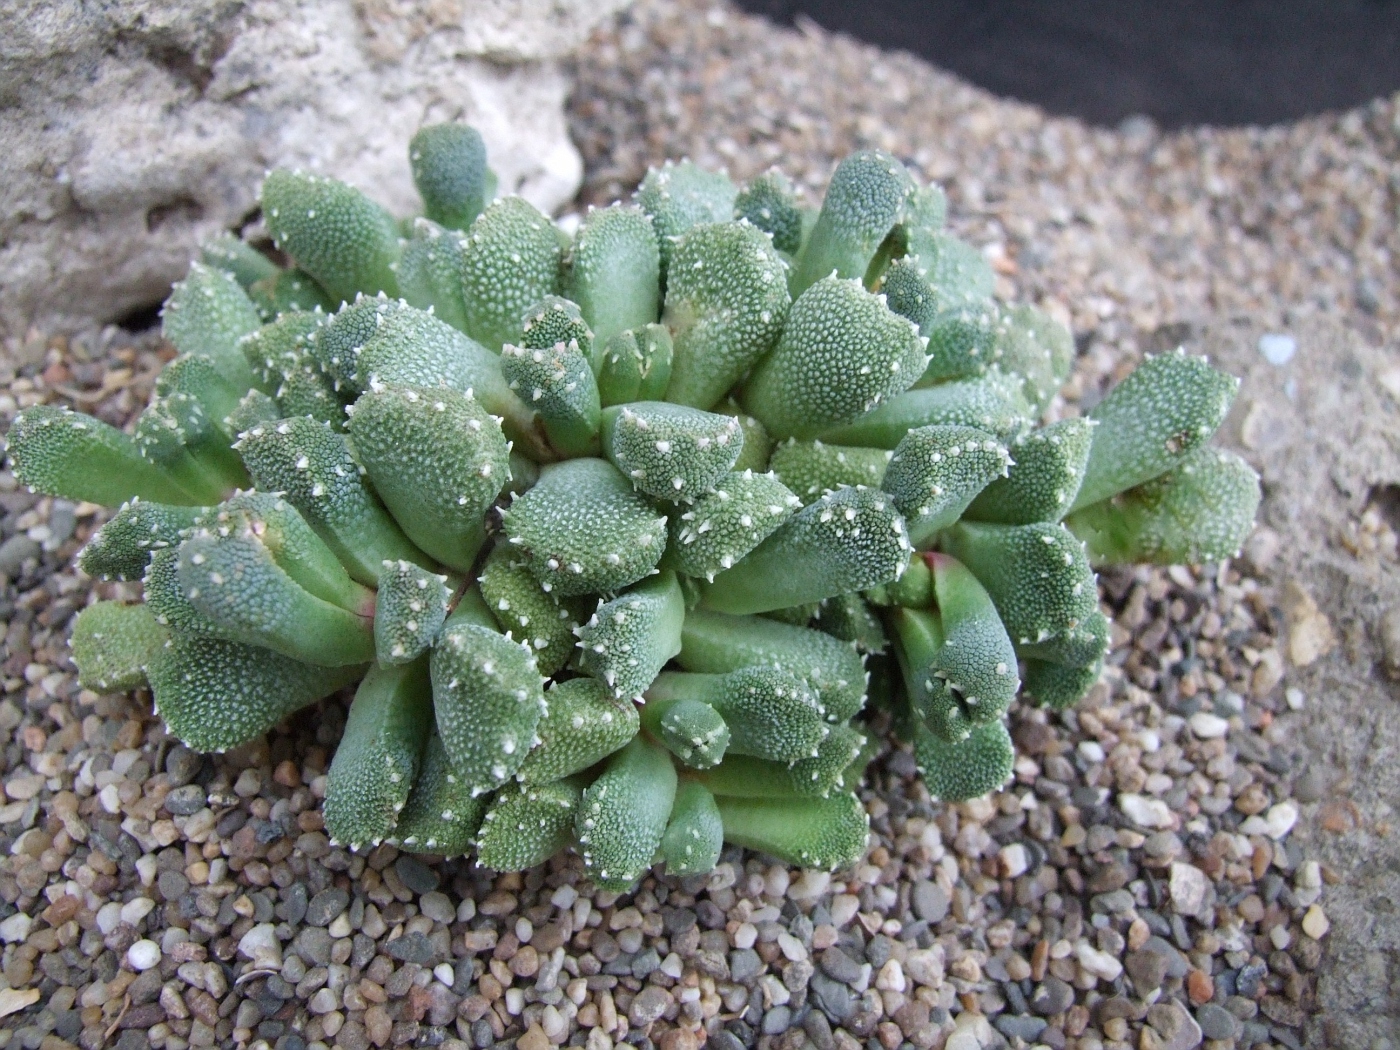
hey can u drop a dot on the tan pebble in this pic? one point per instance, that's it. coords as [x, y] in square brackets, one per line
[1315, 923]
[1199, 987]
[1138, 932]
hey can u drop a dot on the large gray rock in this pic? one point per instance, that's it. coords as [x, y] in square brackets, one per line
[135, 128]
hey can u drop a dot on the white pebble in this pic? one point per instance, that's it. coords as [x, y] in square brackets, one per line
[1295, 697]
[133, 911]
[809, 885]
[16, 928]
[143, 955]
[1276, 823]
[1207, 726]
[445, 974]
[1014, 860]
[843, 909]
[1102, 965]
[1280, 937]
[745, 935]
[109, 917]
[1091, 751]
[1146, 812]
[1278, 348]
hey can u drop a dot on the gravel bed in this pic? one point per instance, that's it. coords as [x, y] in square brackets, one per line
[1135, 886]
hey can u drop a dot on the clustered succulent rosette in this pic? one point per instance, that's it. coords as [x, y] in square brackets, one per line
[612, 527]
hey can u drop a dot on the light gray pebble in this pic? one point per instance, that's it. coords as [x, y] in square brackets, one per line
[929, 901]
[325, 906]
[184, 801]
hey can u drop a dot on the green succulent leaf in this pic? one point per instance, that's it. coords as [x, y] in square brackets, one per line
[634, 365]
[1149, 423]
[409, 611]
[629, 639]
[582, 726]
[289, 291]
[770, 713]
[1037, 575]
[582, 529]
[623, 815]
[510, 262]
[695, 833]
[526, 824]
[311, 465]
[690, 729]
[770, 203]
[237, 258]
[557, 382]
[826, 833]
[613, 270]
[207, 314]
[868, 195]
[679, 196]
[1047, 467]
[936, 471]
[438, 459]
[956, 771]
[430, 272]
[488, 700]
[726, 301]
[449, 169]
[841, 353]
[441, 815]
[529, 612]
[121, 549]
[215, 694]
[1058, 686]
[957, 272]
[716, 643]
[1201, 510]
[848, 540]
[813, 468]
[671, 452]
[113, 644]
[375, 765]
[65, 453]
[724, 525]
[992, 402]
[344, 240]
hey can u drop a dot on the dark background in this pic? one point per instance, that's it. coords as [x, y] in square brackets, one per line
[1177, 61]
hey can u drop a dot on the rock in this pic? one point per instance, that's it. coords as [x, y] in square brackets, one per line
[15, 551]
[839, 966]
[1146, 812]
[13, 1000]
[416, 875]
[1147, 969]
[15, 929]
[1315, 923]
[412, 947]
[1101, 964]
[1189, 889]
[929, 901]
[831, 997]
[260, 945]
[1052, 996]
[1217, 1022]
[1177, 1028]
[184, 801]
[971, 1032]
[650, 1003]
[1276, 823]
[1310, 635]
[1207, 726]
[139, 127]
[325, 906]
[143, 955]
[1020, 1026]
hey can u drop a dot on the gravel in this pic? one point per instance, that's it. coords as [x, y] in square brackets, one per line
[1138, 884]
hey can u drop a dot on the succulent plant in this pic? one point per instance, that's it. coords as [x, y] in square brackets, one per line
[612, 529]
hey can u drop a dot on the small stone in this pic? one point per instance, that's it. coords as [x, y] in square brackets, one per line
[1014, 860]
[1147, 969]
[1276, 823]
[1146, 812]
[1217, 1022]
[1200, 988]
[325, 906]
[15, 551]
[143, 955]
[1178, 1029]
[1188, 886]
[416, 875]
[1315, 923]
[839, 966]
[413, 948]
[1101, 964]
[650, 1003]
[1021, 1026]
[184, 801]
[1207, 726]
[534, 1039]
[744, 964]
[1277, 348]
[929, 901]
[13, 1000]
[1052, 996]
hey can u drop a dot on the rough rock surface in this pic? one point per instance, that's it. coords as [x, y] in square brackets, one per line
[135, 128]
[1323, 429]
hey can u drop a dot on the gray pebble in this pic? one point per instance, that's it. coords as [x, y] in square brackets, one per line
[645, 963]
[313, 944]
[184, 801]
[930, 902]
[1248, 979]
[1217, 1022]
[839, 966]
[172, 885]
[14, 552]
[724, 1040]
[744, 964]
[293, 906]
[650, 1003]
[1024, 1027]
[777, 1020]
[412, 947]
[1052, 996]
[831, 997]
[416, 875]
[325, 906]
